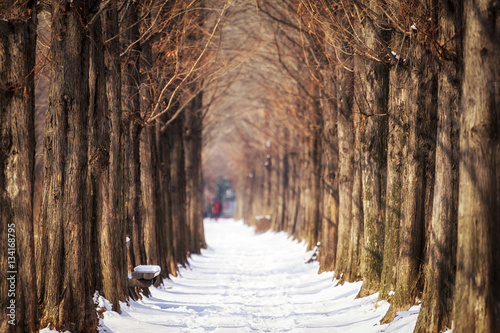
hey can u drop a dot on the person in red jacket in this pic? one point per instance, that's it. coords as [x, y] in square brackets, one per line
[216, 210]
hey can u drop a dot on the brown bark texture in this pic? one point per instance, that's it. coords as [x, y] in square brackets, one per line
[112, 231]
[372, 98]
[418, 171]
[437, 298]
[65, 298]
[329, 180]
[194, 177]
[17, 155]
[476, 306]
[132, 125]
[346, 151]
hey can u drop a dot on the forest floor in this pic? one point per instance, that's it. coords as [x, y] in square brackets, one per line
[248, 282]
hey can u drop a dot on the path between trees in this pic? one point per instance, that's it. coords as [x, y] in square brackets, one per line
[247, 282]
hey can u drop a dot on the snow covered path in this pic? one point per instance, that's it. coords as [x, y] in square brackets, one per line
[253, 283]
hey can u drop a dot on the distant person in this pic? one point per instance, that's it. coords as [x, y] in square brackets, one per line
[216, 210]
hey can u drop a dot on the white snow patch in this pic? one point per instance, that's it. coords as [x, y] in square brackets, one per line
[147, 269]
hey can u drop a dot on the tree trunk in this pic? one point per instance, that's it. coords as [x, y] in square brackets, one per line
[346, 151]
[112, 233]
[132, 129]
[282, 181]
[194, 178]
[437, 299]
[66, 298]
[178, 190]
[98, 198]
[329, 178]
[168, 261]
[148, 154]
[398, 102]
[418, 171]
[17, 156]
[373, 90]
[476, 305]
[356, 242]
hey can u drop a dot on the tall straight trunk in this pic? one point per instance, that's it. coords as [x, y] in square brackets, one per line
[194, 178]
[17, 157]
[356, 242]
[281, 184]
[148, 154]
[437, 299]
[398, 103]
[167, 251]
[476, 306]
[310, 199]
[112, 232]
[346, 151]
[305, 203]
[98, 199]
[329, 177]
[178, 190]
[131, 134]
[312, 225]
[293, 193]
[65, 297]
[373, 90]
[418, 172]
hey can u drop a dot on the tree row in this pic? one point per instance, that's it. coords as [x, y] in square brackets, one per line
[386, 151]
[120, 176]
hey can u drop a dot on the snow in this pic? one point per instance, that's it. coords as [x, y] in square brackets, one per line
[247, 282]
[147, 269]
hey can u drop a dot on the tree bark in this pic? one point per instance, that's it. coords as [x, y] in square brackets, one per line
[131, 134]
[476, 305]
[66, 300]
[168, 258]
[356, 248]
[194, 178]
[148, 154]
[418, 170]
[373, 91]
[398, 102]
[178, 190]
[98, 195]
[346, 151]
[17, 157]
[329, 179]
[437, 299]
[113, 251]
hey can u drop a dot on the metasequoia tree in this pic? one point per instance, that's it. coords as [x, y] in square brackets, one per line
[477, 289]
[132, 126]
[418, 164]
[371, 78]
[113, 227]
[65, 298]
[17, 157]
[437, 299]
